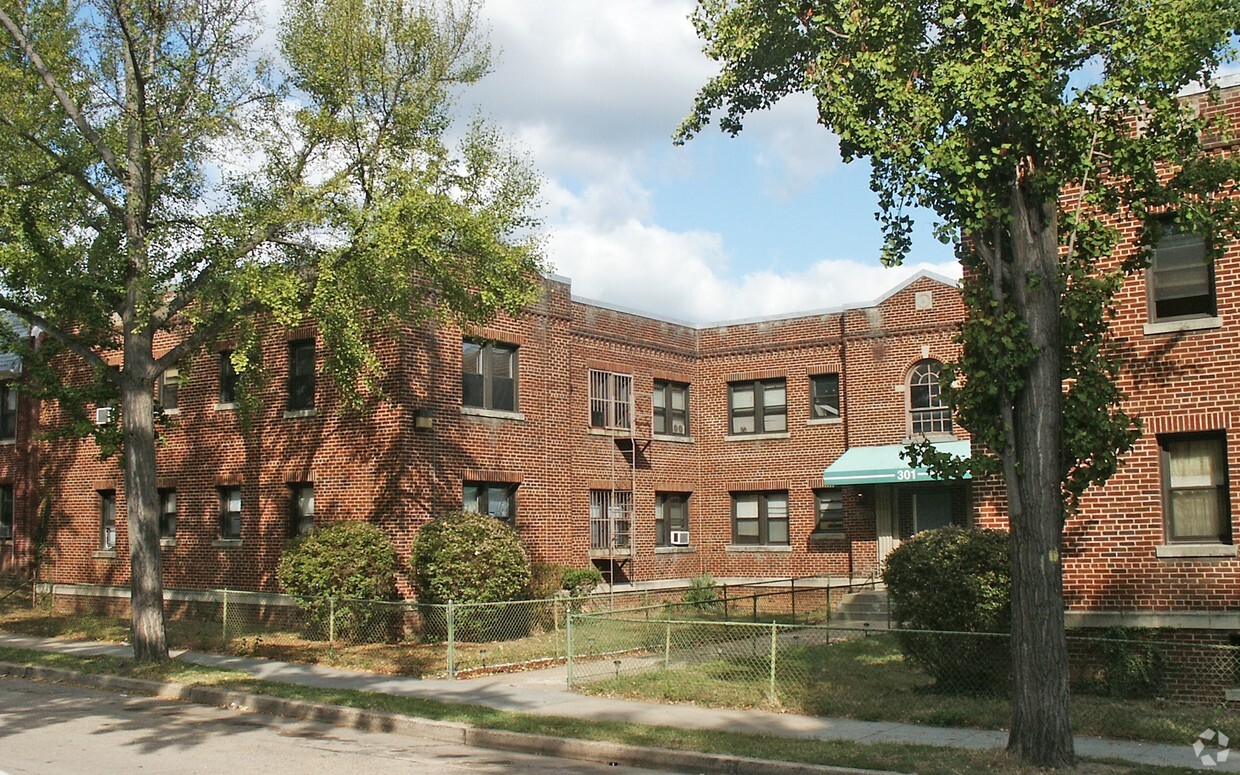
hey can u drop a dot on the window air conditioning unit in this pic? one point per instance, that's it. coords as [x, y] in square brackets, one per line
[680, 537]
[678, 428]
[103, 415]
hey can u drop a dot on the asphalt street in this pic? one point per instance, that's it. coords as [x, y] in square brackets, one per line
[50, 728]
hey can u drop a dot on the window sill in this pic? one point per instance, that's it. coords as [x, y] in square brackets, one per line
[494, 414]
[757, 436]
[225, 406]
[825, 421]
[297, 414]
[167, 543]
[757, 548]
[104, 554]
[227, 543]
[1174, 551]
[673, 439]
[622, 433]
[834, 535]
[1188, 324]
[171, 412]
[8, 442]
[675, 550]
[1232, 695]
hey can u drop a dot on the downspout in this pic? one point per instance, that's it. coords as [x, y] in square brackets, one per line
[844, 409]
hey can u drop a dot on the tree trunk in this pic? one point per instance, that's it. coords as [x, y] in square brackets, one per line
[1033, 473]
[142, 502]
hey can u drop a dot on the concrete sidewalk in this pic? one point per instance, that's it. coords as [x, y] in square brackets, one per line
[544, 692]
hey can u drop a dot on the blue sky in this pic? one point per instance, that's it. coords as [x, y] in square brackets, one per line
[724, 228]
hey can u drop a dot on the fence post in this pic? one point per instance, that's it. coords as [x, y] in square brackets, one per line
[755, 607]
[331, 622]
[568, 644]
[793, 584]
[667, 644]
[224, 620]
[774, 640]
[451, 640]
[725, 602]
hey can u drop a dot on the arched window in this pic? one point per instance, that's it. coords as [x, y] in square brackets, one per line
[928, 413]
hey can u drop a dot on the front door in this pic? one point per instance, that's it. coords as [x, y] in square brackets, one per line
[888, 526]
[932, 509]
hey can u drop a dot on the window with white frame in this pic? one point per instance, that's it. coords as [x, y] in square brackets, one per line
[928, 410]
[670, 401]
[1180, 278]
[496, 499]
[671, 519]
[301, 508]
[760, 518]
[758, 406]
[489, 375]
[1195, 502]
[169, 386]
[167, 513]
[230, 512]
[107, 520]
[611, 400]
[8, 411]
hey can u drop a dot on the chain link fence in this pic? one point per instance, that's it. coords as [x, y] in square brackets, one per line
[1149, 685]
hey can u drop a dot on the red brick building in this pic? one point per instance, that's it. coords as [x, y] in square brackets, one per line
[654, 449]
[659, 450]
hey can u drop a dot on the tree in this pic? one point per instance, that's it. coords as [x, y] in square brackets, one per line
[159, 172]
[1027, 127]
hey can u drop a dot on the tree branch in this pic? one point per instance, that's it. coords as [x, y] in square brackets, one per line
[76, 174]
[32, 318]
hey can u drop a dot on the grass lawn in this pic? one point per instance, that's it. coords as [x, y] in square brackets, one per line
[929, 760]
[868, 679]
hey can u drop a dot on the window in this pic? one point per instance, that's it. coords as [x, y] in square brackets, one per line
[230, 512]
[301, 374]
[1195, 501]
[301, 509]
[6, 512]
[8, 411]
[758, 407]
[611, 400]
[169, 382]
[824, 396]
[228, 378]
[671, 408]
[928, 413]
[168, 513]
[611, 513]
[829, 511]
[1180, 279]
[489, 376]
[107, 520]
[671, 515]
[499, 500]
[760, 518]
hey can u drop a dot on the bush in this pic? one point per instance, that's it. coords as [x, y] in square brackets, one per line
[703, 593]
[468, 558]
[954, 580]
[353, 562]
[1132, 668]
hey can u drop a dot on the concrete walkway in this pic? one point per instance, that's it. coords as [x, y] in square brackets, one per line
[544, 692]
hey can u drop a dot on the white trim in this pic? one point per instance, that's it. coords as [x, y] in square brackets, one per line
[758, 436]
[825, 421]
[760, 548]
[1190, 551]
[227, 543]
[1179, 326]
[672, 438]
[1172, 620]
[296, 414]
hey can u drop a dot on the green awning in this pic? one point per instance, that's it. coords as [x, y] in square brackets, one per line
[883, 465]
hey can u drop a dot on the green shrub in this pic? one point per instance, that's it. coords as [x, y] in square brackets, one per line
[702, 591]
[954, 580]
[1132, 668]
[354, 563]
[469, 558]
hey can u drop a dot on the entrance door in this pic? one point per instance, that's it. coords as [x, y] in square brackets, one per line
[887, 524]
[932, 509]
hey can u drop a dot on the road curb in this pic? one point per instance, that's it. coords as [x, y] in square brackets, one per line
[445, 731]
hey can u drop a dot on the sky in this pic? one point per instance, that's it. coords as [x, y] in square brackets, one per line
[770, 222]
